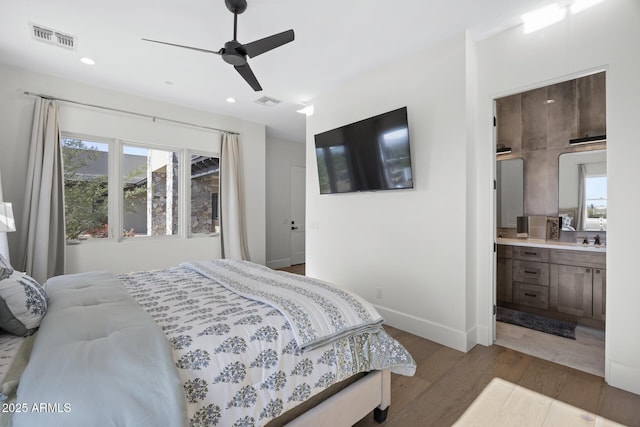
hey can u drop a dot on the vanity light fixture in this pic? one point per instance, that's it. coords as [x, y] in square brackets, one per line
[503, 150]
[588, 140]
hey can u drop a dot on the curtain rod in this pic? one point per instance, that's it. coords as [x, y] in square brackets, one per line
[154, 118]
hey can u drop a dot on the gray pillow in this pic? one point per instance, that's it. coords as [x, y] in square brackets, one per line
[23, 304]
[5, 268]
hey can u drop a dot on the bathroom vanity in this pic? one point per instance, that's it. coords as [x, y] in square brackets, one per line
[561, 280]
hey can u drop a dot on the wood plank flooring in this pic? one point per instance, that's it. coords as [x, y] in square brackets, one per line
[448, 381]
[585, 353]
[296, 269]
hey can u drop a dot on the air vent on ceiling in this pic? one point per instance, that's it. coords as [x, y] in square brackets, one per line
[54, 37]
[267, 101]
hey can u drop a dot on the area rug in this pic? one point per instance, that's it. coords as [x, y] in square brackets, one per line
[539, 323]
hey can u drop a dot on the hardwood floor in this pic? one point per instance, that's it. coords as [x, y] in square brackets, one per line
[297, 269]
[585, 353]
[448, 381]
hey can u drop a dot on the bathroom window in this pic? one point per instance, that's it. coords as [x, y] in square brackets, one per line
[596, 202]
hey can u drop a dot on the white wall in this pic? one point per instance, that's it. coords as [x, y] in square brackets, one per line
[409, 243]
[16, 111]
[604, 37]
[281, 155]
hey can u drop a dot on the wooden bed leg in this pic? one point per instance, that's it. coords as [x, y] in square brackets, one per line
[380, 415]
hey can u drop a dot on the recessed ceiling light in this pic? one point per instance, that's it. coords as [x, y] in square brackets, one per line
[231, 100]
[87, 61]
[549, 101]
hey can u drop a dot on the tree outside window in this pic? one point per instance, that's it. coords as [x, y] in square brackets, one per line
[86, 189]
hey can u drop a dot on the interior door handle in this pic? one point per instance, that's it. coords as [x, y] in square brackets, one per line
[294, 228]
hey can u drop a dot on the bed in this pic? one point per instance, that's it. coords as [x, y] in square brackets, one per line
[212, 343]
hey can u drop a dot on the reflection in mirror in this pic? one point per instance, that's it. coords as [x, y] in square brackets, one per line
[510, 192]
[582, 190]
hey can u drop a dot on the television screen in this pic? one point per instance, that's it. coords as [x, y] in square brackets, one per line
[369, 155]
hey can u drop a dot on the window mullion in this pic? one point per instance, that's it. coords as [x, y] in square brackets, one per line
[115, 181]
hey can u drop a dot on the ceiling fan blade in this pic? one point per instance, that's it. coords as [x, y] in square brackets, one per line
[266, 44]
[217, 52]
[247, 74]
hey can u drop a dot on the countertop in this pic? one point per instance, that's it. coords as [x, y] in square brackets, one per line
[538, 243]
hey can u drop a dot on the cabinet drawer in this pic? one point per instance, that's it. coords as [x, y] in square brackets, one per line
[584, 259]
[535, 273]
[531, 295]
[527, 253]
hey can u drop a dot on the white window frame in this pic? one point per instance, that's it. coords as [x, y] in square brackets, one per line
[115, 209]
[187, 183]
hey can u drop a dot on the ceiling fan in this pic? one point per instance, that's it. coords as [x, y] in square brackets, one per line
[235, 53]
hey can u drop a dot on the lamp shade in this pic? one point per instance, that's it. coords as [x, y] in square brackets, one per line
[7, 222]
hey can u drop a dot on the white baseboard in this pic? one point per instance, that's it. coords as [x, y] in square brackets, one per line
[483, 336]
[279, 263]
[445, 335]
[624, 377]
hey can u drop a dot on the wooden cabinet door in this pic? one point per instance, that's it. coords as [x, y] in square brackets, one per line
[570, 290]
[504, 286]
[599, 293]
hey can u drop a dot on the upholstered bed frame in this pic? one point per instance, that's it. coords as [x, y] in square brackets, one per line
[350, 404]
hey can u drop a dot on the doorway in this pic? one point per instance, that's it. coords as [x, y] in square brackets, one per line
[298, 175]
[553, 276]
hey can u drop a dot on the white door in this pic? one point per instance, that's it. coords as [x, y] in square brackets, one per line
[297, 214]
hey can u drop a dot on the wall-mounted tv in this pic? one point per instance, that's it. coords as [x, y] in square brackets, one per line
[369, 155]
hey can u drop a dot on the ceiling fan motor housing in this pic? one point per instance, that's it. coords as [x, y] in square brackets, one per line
[234, 54]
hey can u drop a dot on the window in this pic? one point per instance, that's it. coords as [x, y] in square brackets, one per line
[86, 188]
[596, 202]
[115, 189]
[205, 173]
[150, 188]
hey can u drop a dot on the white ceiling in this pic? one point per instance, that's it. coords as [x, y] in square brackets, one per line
[335, 41]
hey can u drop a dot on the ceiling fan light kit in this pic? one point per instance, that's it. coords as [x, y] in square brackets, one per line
[235, 53]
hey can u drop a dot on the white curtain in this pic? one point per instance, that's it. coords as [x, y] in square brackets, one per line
[42, 239]
[582, 203]
[231, 195]
[4, 245]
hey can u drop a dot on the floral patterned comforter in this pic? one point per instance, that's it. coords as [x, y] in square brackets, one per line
[238, 359]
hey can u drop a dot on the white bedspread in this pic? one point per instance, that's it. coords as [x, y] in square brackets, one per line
[238, 359]
[317, 312]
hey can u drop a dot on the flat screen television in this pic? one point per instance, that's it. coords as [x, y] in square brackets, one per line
[369, 155]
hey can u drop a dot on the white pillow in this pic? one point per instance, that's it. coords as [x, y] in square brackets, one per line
[23, 304]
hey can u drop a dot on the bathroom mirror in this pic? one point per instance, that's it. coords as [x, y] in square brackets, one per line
[510, 192]
[582, 190]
